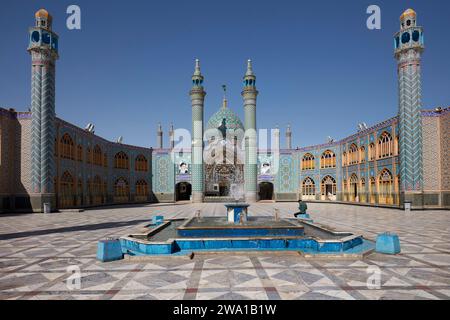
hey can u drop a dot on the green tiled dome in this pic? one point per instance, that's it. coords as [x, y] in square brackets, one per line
[232, 121]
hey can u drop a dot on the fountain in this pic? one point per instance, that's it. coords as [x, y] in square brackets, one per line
[237, 212]
[239, 231]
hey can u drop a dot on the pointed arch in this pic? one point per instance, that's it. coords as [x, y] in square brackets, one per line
[141, 163]
[121, 161]
[362, 154]
[308, 162]
[67, 190]
[353, 154]
[372, 190]
[328, 160]
[121, 190]
[372, 152]
[141, 190]
[328, 188]
[354, 189]
[385, 145]
[67, 147]
[98, 156]
[308, 188]
[385, 187]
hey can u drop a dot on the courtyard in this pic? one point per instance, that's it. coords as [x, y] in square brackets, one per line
[36, 250]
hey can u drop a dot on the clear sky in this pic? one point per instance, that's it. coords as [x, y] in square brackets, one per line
[317, 65]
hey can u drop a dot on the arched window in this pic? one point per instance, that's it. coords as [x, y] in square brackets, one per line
[328, 186]
[67, 147]
[141, 163]
[362, 154]
[98, 155]
[353, 154]
[141, 188]
[308, 187]
[344, 159]
[385, 146]
[328, 160]
[80, 153]
[67, 191]
[372, 151]
[385, 183]
[121, 190]
[308, 162]
[121, 161]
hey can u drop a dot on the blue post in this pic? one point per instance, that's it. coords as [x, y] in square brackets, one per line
[109, 250]
[388, 243]
[157, 220]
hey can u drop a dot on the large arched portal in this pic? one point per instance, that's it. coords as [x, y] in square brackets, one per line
[266, 191]
[183, 191]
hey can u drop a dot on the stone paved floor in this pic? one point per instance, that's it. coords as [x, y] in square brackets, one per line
[35, 251]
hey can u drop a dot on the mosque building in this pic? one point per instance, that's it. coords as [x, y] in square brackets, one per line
[45, 159]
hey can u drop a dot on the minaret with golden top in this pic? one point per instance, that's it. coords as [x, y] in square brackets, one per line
[409, 46]
[43, 47]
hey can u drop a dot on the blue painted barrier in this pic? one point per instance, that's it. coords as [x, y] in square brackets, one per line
[109, 250]
[157, 220]
[388, 243]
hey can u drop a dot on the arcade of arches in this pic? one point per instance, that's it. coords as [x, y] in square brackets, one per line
[71, 192]
[383, 189]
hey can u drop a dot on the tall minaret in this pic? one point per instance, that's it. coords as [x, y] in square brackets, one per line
[276, 139]
[197, 94]
[288, 137]
[43, 48]
[250, 169]
[408, 50]
[159, 136]
[171, 136]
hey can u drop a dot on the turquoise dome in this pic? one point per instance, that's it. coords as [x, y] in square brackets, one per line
[232, 121]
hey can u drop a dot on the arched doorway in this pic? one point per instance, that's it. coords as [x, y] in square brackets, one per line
[385, 187]
[67, 189]
[328, 188]
[308, 189]
[354, 196]
[266, 191]
[183, 191]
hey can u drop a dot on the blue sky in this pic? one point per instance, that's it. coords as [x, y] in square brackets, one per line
[317, 65]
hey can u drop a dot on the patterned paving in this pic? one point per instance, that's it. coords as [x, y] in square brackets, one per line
[35, 251]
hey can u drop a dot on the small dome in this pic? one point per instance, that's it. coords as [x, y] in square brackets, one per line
[408, 13]
[232, 121]
[43, 14]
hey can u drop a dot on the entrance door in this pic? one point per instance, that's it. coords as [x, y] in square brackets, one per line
[355, 192]
[328, 189]
[183, 191]
[265, 191]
